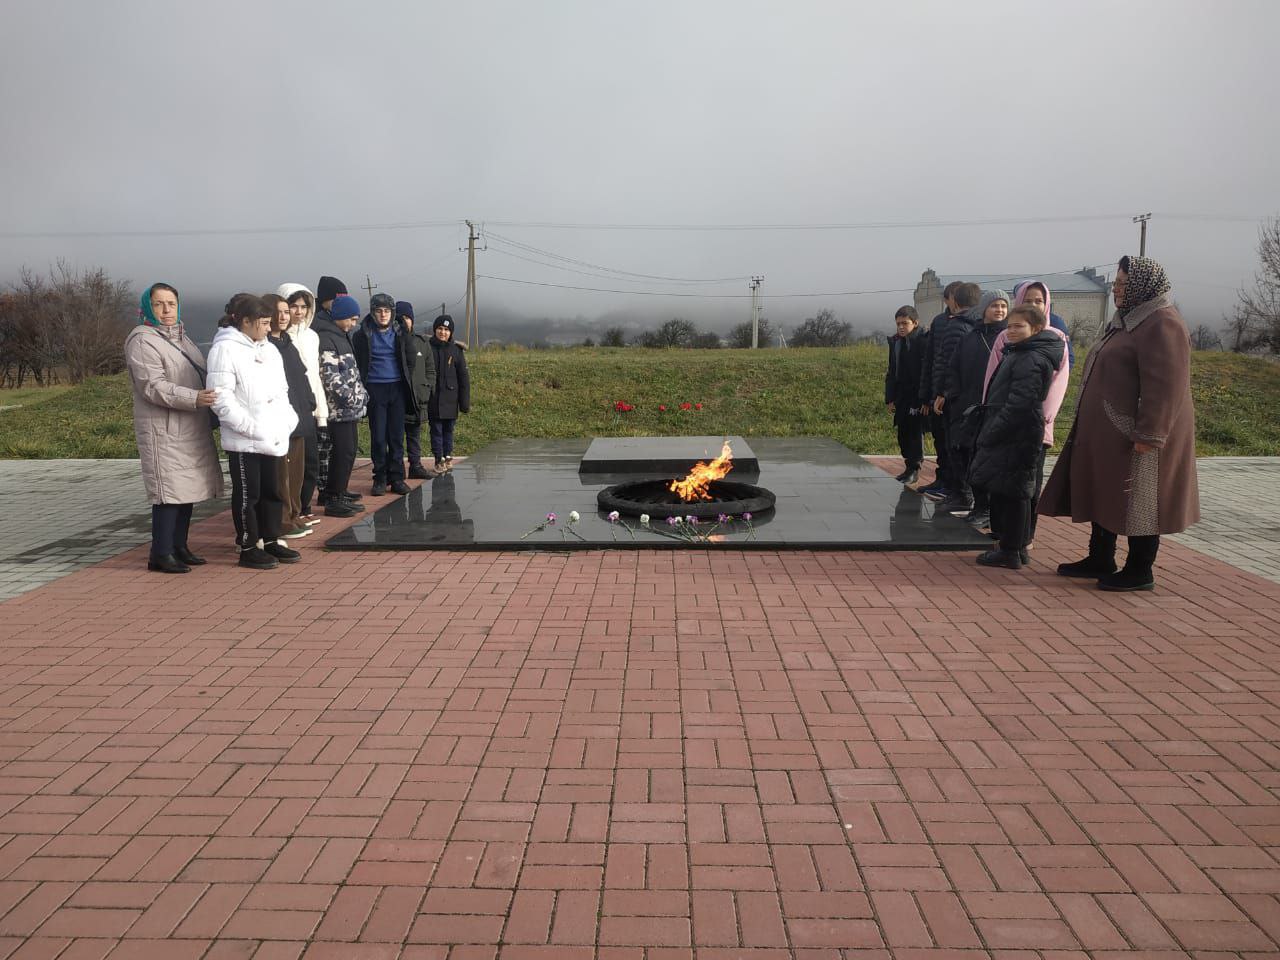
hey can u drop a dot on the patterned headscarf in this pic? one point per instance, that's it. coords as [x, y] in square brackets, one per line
[144, 307]
[1147, 280]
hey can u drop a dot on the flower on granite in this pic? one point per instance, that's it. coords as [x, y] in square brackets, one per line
[747, 517]
[614, 516]
[573, 516]
[551, 518]
[691, 519]
[672, 521]
[644, 519]
[723, 518]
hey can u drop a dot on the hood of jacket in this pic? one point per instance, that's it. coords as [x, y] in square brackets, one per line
[232, 337]
[1021, 290]
[1049, 343]
[287, 290]
[324, 324]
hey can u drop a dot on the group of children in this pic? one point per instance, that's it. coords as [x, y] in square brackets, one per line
[987, 379]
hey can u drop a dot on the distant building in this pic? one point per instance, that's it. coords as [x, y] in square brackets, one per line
[1082, 299]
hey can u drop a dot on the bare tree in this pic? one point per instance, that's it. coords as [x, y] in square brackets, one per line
[676, 332]
[824, 330]
[740, 336]
[1205, 337]
[1255, 324]
[614, 337]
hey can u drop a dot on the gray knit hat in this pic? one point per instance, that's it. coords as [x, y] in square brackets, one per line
[988, 298]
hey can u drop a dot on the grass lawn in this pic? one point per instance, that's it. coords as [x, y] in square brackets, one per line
[571, 393]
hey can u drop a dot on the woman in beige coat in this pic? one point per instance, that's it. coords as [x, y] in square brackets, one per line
[172, 422]
[1129, 464]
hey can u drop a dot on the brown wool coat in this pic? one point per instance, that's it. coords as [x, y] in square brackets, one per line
[175, 439]
[1136, 386]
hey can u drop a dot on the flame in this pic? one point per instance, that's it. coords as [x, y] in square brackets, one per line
[694, 486]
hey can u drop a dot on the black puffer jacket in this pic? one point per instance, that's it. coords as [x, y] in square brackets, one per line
[945, 334]
[902, 381]
[1013, 418]
[926, 361]
[301, 397]
[424, 375]
[965, 377]
[452, 394]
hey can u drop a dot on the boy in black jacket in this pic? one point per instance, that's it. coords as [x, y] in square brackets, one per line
[943, 336]
[902, 390]
[1012, 434]
[452, 393]
[424, 381]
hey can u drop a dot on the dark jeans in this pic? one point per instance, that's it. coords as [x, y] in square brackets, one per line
[442, 438]
[1035, 497]
[413, 442]
[169, 525]
[342, 457]
[386, 430]
[310, 471]
[911, 439]
[938, 427]
[256, 503]
[1011, 519]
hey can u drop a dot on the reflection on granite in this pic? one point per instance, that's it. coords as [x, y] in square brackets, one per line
[828, 498]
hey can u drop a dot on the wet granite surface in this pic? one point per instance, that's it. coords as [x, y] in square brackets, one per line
[827, 498]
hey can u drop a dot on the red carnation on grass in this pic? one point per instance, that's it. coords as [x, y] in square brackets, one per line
[662, 407]
[623, 407]
[697, 406]
[686, 406]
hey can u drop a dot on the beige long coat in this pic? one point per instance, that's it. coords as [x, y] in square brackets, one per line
[1136, 387]
[175, 440]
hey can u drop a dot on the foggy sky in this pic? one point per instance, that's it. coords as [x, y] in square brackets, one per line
[134, 116]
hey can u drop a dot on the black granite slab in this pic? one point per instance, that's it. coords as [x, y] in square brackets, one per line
[667, 456]
[828, 498]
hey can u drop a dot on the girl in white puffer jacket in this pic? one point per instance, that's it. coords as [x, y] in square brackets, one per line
[256, 419]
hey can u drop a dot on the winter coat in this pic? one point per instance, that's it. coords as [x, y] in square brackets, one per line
[308, 344]
[1057, 323]
[1008, 444]
[452, 393]
[424, 375]
[405, 353]
[1136, 387]
[926, 362]
[1057, 389]
[253, 395]
[175, 437]
[946, 333]
[301, 398]
[339, 374]
[965, 379]
[902, 381]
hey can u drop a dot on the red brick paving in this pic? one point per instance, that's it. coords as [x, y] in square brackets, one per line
[639, 756]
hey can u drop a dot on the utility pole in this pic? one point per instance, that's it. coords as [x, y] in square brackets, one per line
[755, 311]
[442, 308]
[370, 286]
[1142, 239]
[473, 313]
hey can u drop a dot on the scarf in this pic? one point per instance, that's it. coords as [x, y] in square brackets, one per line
[1147, 280]
[146, 316]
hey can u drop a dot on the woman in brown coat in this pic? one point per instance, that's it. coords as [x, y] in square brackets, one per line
[1129, 464]
[173, 426]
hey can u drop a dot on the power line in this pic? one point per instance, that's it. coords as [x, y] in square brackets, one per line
[621, 274]
[230, 231]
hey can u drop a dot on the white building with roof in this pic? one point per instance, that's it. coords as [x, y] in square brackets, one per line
[1082, 299]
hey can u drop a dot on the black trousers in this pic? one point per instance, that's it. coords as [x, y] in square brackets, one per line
[256, 501]
[442, 438]
[324, 451]
[310, 471]
[413, 442]
[910, 439]
[938, 427]
[1035, 497]
[169, 525]
[1011, 520]
[342, 457]
[961, 460]
[386, 430]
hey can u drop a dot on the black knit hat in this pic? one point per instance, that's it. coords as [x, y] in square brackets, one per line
[328, 288]
[444, 320]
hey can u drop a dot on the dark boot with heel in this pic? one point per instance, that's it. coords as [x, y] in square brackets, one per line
[1137, 573]
[1101, 560]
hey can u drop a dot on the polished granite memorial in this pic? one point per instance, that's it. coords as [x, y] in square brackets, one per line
[827, 498]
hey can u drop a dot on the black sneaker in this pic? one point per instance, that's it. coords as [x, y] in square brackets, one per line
[936, 494]
[379, 489]
[1024, 557]
[282, 553]
[255, 558]
[399, 488]
[351, 505]
[979, 519]
[1001, 558]
[910, 477]
[419, 472]
[956, 505]
[338, 508]
[352, 496]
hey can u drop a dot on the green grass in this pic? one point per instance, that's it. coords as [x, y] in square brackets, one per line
[570, 393]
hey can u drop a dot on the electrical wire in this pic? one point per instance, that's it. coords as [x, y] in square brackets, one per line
[613, 271]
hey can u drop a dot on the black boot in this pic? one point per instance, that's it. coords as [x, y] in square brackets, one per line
[189, 558]
[1100, 561]
[167, 564]
[1001, 558]
[1137, 573]
[911, 476]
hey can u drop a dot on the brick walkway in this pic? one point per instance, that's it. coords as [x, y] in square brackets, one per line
[795, 755]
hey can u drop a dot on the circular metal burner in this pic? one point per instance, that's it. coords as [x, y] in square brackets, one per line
[655, 498]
